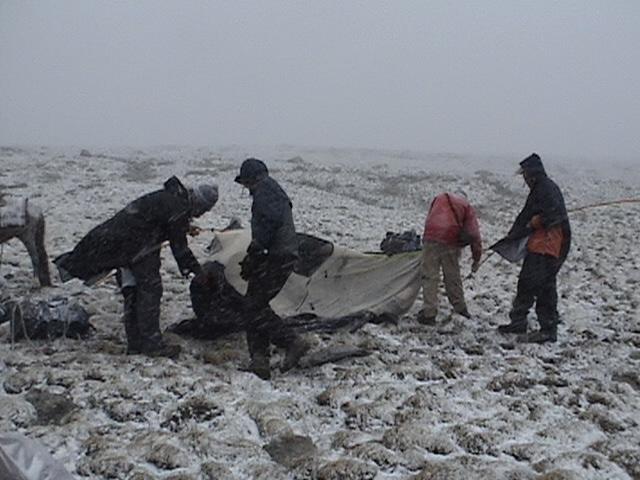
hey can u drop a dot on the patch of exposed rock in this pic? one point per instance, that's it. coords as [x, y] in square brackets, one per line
[290, 450]
[51, 408]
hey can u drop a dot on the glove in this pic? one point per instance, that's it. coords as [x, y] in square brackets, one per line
[255, 249]
[475, 266]
[246, 268]
[195, 269]
[194, 230]
[252, 262]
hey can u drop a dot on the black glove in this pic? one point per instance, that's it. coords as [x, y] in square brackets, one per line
[246, 268]
[252, 262]
[196, 269]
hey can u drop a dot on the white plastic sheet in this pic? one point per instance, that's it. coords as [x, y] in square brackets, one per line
[22, 458]
[347, 283]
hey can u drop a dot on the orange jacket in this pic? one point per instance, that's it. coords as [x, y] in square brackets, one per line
[545, 241]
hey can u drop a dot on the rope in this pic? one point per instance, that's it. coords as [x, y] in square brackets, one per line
[604, 204]
[570, 210]
[18, 308]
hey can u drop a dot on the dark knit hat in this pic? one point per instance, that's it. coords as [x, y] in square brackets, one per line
[251, 170]
[204, 197]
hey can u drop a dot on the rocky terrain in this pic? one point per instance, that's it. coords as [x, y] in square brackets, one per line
[454, 401]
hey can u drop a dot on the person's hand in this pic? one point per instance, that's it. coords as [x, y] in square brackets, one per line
[187, 271]
[475, 266]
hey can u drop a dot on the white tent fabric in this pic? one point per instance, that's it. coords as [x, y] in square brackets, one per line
[13, 213]
[22, 458]
[346, 283]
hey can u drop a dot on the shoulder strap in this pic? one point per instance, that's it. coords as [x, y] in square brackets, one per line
[455, 215]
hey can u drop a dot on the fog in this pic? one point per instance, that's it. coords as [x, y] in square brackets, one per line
[467, 77]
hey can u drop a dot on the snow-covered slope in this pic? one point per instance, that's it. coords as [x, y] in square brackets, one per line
[451, 401]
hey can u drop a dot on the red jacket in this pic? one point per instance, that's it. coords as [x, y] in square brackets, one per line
[443, 225]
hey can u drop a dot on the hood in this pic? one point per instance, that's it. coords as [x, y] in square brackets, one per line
[532, 165]
[251, 171]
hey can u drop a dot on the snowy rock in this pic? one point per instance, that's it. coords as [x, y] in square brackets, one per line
[52, 408]
[16, 412]
[270, 421]
[441, 471]
[215, 471]
[603, 418]
[511, 383]
[559, 474]
[166, 456]
[628, 376]
[376, 453]
[122, 410]
[289, 450]
[196, 409]
[347, 469]
[363, 416]
[106, 464]
[18, 382]
[475, 442]
[628, 459]
[411, 435]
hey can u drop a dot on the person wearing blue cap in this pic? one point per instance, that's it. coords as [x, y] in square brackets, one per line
[267, 266]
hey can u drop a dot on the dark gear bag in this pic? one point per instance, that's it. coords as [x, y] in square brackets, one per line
[408, 241]
[45, 319]
[464, 237]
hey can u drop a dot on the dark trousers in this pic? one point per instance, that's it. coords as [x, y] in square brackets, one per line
[142, 302]
[264, 326]
[537, 284]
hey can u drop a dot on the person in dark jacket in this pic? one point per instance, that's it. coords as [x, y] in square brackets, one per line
[130, 242]
[544, 219]
[268, 264]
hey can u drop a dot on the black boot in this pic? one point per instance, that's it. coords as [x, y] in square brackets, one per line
[295, 351]
[542, 336]
[429, 321]
[160, 348]
[260, 365]
[513, 327]
[258, 343]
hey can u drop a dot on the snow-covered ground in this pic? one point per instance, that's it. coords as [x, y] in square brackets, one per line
[449, 402]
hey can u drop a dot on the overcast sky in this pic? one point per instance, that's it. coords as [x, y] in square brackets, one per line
[558, 77]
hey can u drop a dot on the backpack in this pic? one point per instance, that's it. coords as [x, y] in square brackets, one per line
[407, 241]
[45, 319]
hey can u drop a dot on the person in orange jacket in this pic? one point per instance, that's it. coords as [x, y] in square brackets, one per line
[544, 219]
[451, 224]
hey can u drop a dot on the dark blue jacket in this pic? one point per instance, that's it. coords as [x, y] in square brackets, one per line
[272, 225]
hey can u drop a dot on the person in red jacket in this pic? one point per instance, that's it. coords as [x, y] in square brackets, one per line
[451, 224]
